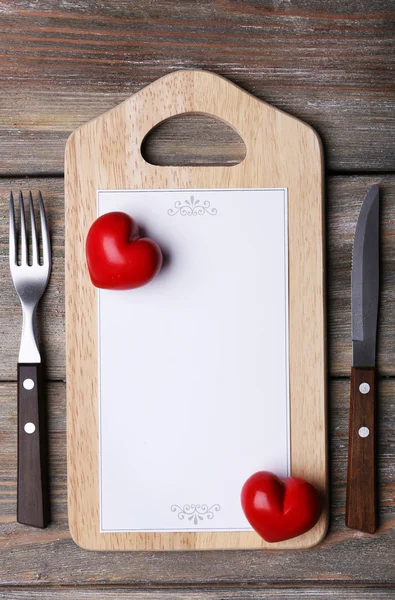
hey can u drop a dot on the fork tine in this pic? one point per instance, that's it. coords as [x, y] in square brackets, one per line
[35, 259]
[23, 231]
[44, 232]
[12, 235]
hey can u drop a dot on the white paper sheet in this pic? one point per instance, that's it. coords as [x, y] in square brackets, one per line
[193, 368]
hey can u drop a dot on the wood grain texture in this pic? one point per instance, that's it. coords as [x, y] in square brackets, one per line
[49, 557]
[51, 320]
[329, 64]
[193, 139]
[361, 488]
[32, 504]
[281, 152]
[343, 198]
[186, 593]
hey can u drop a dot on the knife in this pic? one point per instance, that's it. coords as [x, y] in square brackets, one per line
[361, 492]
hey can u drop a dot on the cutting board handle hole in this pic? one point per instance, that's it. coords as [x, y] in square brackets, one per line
[193, 139]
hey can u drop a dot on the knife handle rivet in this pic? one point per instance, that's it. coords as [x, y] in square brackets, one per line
[29, 427]
[363, 432]
[364, 388]
[28, 384]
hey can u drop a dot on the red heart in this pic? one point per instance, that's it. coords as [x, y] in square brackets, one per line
[280, 509]
[117, 258]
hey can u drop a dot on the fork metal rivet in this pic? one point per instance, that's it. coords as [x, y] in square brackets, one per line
[28, 384]
[29, 427]
[363, 432]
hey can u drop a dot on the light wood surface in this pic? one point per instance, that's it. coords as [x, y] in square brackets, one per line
[49, 557]
[281, 152]
[343, 200]
[330, 64]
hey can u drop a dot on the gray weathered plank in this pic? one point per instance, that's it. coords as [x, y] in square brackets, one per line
[344, 199]
[37, 557]
[343, 202]
[51, 313]
[200, 593]
[330, 64]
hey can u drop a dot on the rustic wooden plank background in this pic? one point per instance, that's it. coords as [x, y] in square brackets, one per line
[331, 63]
[343, 201]
[50, 557]
[174, 593]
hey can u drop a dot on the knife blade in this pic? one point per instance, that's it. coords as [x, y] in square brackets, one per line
[361, 491]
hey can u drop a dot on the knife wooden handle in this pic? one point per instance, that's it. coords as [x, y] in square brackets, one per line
[361, 488]
[32, 496]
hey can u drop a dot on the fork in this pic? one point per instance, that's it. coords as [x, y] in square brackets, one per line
[30, 281]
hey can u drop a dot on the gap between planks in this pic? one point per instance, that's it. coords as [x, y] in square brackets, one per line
[204, 588]
[329, 173]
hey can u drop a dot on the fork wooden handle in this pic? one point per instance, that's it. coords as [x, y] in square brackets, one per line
[32, 496]
[361, 491]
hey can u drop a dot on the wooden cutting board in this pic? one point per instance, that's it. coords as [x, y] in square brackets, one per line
[284, 157]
